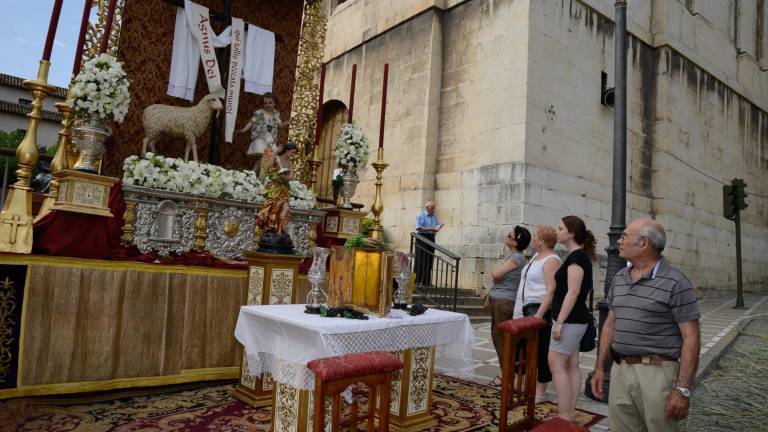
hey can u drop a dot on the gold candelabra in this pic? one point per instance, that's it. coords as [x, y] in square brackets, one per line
[314, 164]
[378, 204]
[16, 216]
[59, 161]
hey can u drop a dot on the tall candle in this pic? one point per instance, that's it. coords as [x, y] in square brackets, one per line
[383, 105]
[319, 126]
[352, 94]
[108, 26]
[52, 30]
[81, 37]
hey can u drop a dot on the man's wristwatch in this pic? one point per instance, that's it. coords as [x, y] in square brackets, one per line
[684, 391]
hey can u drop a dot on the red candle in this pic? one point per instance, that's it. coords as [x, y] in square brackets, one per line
[352, 94]
[108, 26]
[319, 126]
[383, 105]
[81, 37]
[52, 30]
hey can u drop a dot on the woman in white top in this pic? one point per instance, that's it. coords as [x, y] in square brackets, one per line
[534, 297]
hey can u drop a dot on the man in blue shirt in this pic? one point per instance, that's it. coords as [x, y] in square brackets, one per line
[427, 226]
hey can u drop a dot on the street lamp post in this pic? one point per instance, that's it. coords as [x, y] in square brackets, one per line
[619, 196]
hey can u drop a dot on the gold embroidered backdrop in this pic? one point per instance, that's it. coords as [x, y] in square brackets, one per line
[146, 45]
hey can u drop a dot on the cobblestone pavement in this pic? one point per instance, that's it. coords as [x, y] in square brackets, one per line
[720, 323]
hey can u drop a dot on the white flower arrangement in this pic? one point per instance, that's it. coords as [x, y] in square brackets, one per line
[101, 89]
[351, 151]
[301, 196]
[175, 175]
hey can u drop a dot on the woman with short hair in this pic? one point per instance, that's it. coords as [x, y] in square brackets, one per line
[506, 279]
[534, 297]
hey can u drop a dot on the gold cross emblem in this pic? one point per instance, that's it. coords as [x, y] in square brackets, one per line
[15, 222]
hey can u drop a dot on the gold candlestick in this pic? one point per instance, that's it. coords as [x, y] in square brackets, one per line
[59, 161]
[16, 217]
[378, 204]
[314, 164]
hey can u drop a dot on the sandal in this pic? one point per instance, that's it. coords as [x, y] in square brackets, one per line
[496, 382]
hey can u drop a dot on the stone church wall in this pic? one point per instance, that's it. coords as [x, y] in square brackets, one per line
[494, 111]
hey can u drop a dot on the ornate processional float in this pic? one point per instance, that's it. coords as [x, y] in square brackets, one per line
[114, 211]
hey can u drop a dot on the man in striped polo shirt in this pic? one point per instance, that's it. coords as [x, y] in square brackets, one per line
[653, 330]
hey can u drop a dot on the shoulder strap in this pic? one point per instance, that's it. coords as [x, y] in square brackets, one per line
[525, 276]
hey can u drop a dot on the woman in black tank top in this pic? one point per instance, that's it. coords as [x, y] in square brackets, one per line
[573, 282]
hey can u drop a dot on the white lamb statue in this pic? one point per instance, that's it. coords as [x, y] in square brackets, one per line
[187, 123]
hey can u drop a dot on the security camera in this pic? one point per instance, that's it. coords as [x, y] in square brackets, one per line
[607, 94]
[607, 97]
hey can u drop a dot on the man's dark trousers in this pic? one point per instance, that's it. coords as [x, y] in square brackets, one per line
[424, 255]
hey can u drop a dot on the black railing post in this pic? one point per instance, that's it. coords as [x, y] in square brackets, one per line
[456, 284]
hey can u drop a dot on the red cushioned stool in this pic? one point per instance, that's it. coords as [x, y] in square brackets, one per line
[518, 372]
[334, 374]
[559, 424]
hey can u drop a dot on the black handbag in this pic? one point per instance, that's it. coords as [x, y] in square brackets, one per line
[530, 309]
[587, 343]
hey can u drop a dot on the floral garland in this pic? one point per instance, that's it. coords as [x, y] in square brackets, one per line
[101, 89]
[175, 175]
[351, 151]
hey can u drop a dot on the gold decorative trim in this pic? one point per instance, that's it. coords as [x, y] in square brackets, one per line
[306, 89]
[201, 226]
[397, 381]
[129, 218]
[286, 408]
[246, 379]
[191, 375]
[120, 265]
[7, 324]
[255, 285]
[420, 375]
[267, 383]
[96, 31]
[281, 286]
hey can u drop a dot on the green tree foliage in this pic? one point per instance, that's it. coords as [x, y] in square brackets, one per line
[11, 140]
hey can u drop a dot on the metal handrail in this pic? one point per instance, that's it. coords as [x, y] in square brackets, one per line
[436, 246]
[442, 287]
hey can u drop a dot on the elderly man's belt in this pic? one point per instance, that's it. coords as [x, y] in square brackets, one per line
[654, 360]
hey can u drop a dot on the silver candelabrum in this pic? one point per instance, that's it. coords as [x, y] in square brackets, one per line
[399, 299]
[316, 277]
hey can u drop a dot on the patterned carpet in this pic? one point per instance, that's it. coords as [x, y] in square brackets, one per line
[457, 406]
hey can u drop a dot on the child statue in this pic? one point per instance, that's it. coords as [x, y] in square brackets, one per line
[273, 216]
[264, 126]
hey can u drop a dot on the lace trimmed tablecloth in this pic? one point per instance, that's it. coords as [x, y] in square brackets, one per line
[282, 339]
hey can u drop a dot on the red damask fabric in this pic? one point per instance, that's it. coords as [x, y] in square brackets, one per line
[352, 365]
[522, 325]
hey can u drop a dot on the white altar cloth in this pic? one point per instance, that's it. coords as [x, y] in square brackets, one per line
[282, 339]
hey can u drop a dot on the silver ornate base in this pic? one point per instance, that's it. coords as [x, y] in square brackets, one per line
[165, 222]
